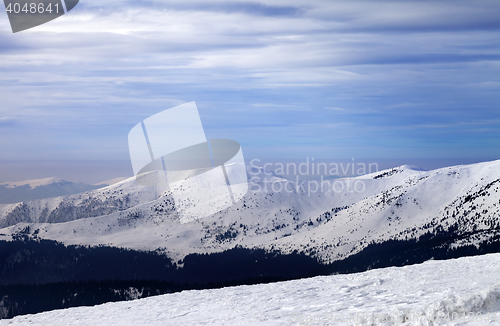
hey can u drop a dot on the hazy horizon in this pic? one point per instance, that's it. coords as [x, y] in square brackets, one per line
[399, 82]
[93, 172]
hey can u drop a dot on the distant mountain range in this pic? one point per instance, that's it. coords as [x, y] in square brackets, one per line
[23, 191]
[94, 246]
[399, 204]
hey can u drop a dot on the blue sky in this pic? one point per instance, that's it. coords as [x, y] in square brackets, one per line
[414, 82]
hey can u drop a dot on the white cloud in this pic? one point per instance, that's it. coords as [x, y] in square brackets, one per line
[6, 120]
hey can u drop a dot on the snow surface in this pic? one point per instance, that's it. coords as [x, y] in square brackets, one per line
[465, 289]
[400, 203]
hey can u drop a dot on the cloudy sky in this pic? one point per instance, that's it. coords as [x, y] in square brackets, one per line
[393, 81]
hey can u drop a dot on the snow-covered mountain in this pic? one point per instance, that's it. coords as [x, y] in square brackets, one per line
[464, 291]
[329, 224]
[29, 190]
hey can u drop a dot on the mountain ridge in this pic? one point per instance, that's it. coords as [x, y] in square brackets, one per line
[13, 192]
[396, 204]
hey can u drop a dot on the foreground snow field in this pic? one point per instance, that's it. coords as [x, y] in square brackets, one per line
[464, 291]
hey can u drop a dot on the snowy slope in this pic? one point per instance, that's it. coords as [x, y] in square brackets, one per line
[466, 290]
[465, 197]
[94, 203]
[400, 203]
